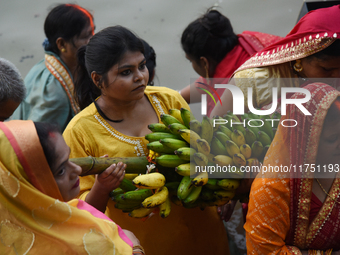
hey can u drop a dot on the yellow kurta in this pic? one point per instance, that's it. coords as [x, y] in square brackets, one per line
[185, 231]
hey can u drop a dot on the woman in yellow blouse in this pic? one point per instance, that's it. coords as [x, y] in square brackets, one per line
[120, 106]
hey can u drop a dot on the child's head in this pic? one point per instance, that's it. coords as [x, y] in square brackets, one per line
[66, 173]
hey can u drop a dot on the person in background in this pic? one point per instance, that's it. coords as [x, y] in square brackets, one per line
[38, 184]
[50, 82]
[12, 89]
[150, 56]
[309, 53]
[115, 123]
[297, 212]
[215, 51]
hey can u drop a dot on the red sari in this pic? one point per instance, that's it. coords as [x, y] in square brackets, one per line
[249, 43]
[280, 220]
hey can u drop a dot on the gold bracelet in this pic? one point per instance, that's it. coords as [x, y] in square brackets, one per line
[138, 247]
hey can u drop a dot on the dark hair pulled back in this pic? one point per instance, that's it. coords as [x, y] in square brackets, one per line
[332, 50]
[210, 36]
[150, 57]
[104, 50]
[44, 131]
[65, 21]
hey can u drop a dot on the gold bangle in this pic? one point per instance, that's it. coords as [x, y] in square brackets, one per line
[138, 247]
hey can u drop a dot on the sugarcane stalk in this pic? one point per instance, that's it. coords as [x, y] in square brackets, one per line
[94, 165]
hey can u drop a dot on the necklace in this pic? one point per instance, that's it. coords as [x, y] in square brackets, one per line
[103, 115]
[334, 199]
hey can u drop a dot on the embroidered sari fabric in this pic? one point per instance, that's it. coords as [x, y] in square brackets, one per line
[184, 231]
[33, 217]
[49, 93]
[278, 219]
[315, 31]
[249, 43]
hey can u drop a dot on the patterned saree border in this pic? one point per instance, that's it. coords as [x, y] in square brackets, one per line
[302, 230]
[61, 74]
[328, 205]
[301, 48]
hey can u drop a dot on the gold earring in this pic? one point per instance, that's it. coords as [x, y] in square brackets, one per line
[63, 50]
[297, 66]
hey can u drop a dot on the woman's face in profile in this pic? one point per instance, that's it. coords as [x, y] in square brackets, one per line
[66, 173]
[328, 67]
[329, 144]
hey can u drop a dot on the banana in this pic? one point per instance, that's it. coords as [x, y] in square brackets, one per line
[222, 137]
[190, 137]
[218, 202]
[265, 149]
[207, 129]
[228, 184]
[156, 199]
[212, 184]
[165, 208]
[256, 149]
[254, 127]
[267, 128]
[234, 123]
[160, 135]
[187, 116]
[127, 185]
[264, 138]
[249, 136]
[158, 127]
[200, 159]
[185, 153]
[127, 207]
[217, 147]
[116, 192]
[250, 161]
[231, 148]
[130, 176]
[175, 127]
[184, 188]
[224, 194]
[223, 160]
[172, 187]
[210, 158]
[170, 160]
[239, 160]
[203, 146]
[195, 125]
[212, 123]
[174, 144]
[141, 212]
[177, 114]
[237, 137]
[193, 195]
[245, 150]
[149, 181]
[201, 179]
[235, 173]
[224, 130]
[186, 169]
[159, 147]
[276, 116]
[207, 194]
[167, 119]
[137, 195]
